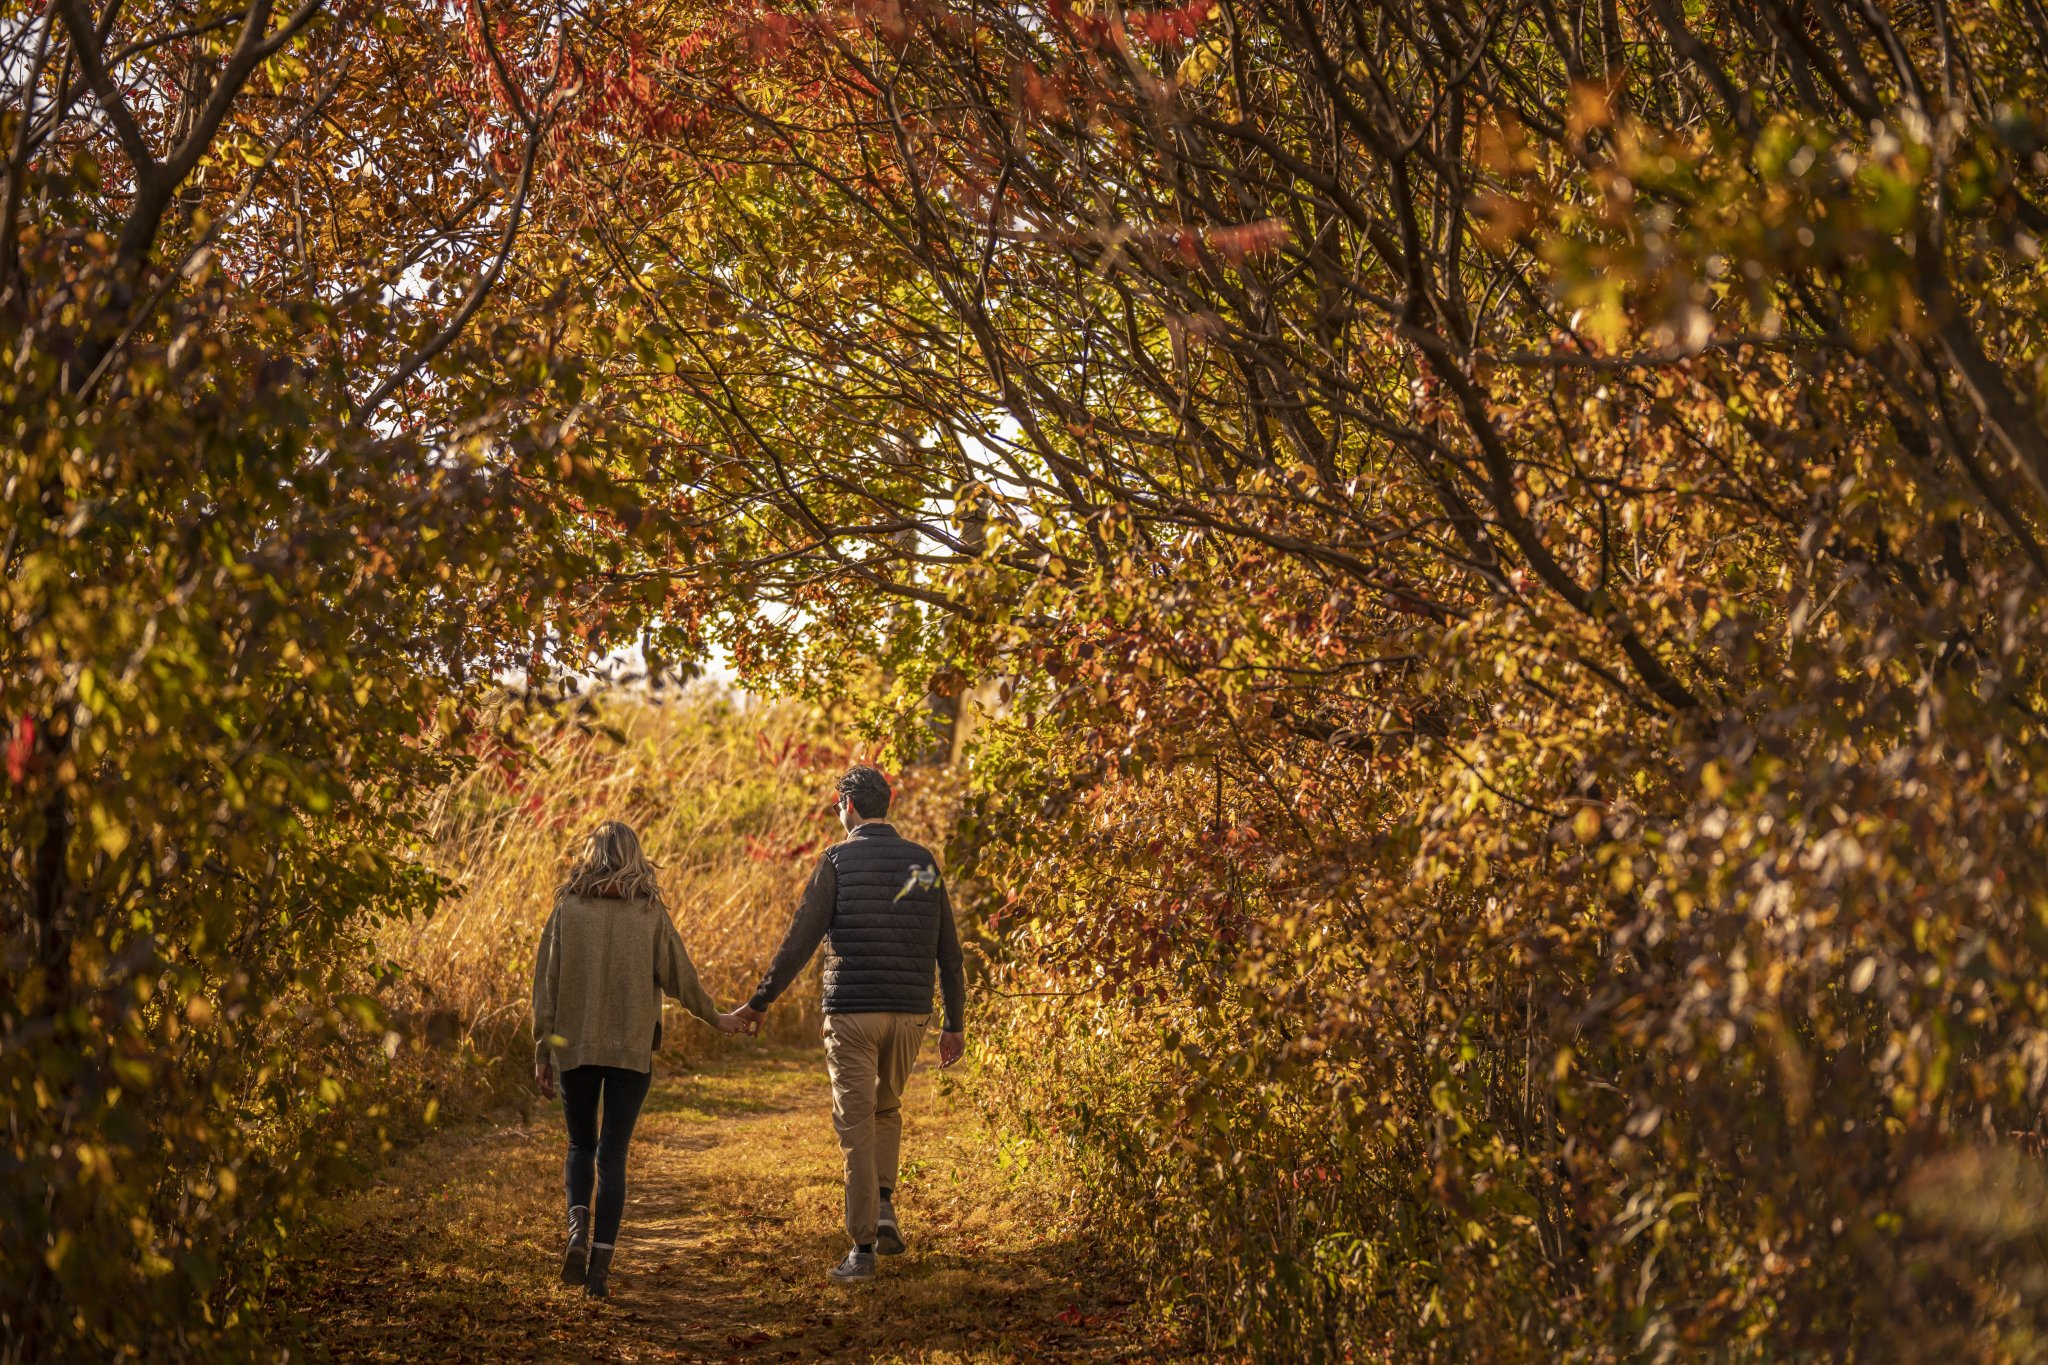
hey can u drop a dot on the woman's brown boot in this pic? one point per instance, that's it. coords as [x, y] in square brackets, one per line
[595, 1279]
[574, 1259]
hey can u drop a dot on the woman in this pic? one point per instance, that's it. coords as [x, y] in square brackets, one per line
[606, 957]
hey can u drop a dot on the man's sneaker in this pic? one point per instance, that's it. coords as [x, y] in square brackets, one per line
[888, 1237]
[577, 1257]
[858, 1265]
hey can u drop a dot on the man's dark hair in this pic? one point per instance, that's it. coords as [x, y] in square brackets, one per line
[867, 789]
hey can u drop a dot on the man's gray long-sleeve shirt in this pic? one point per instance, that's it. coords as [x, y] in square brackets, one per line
[904, 937]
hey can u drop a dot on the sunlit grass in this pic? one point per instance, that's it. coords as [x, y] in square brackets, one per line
[729, 797]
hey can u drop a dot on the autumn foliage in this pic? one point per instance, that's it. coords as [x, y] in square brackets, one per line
[1509, 542]
[268, 534]
[1501, 550]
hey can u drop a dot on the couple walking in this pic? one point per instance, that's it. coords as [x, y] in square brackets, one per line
[610, 952]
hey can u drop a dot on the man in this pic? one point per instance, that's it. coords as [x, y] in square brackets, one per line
[879, 907]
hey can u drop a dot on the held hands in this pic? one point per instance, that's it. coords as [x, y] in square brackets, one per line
[746, 1019]
[544, 1079]
[951, 1046]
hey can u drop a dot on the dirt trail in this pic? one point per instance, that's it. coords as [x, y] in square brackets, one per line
[733, 1217]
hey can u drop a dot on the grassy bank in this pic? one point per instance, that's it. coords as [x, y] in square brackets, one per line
[729, 796]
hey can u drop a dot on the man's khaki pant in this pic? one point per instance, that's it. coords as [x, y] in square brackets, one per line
[870, 1057]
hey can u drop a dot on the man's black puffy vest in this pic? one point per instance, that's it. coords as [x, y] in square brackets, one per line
[882, 951]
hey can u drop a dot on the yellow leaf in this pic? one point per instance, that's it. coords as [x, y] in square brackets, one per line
[1204, 62]
[108, 832]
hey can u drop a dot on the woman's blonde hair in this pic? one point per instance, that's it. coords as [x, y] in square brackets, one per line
[612, 866]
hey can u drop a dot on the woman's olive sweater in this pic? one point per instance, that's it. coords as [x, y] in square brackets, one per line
[598, 980]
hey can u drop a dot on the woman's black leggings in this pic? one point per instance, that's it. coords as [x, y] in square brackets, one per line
[600, 1157]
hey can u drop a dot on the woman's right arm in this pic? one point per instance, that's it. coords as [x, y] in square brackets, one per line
[677, 975]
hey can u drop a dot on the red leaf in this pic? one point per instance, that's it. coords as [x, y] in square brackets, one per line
[21, 750]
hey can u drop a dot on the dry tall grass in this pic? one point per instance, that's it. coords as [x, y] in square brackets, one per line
[728, 794]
